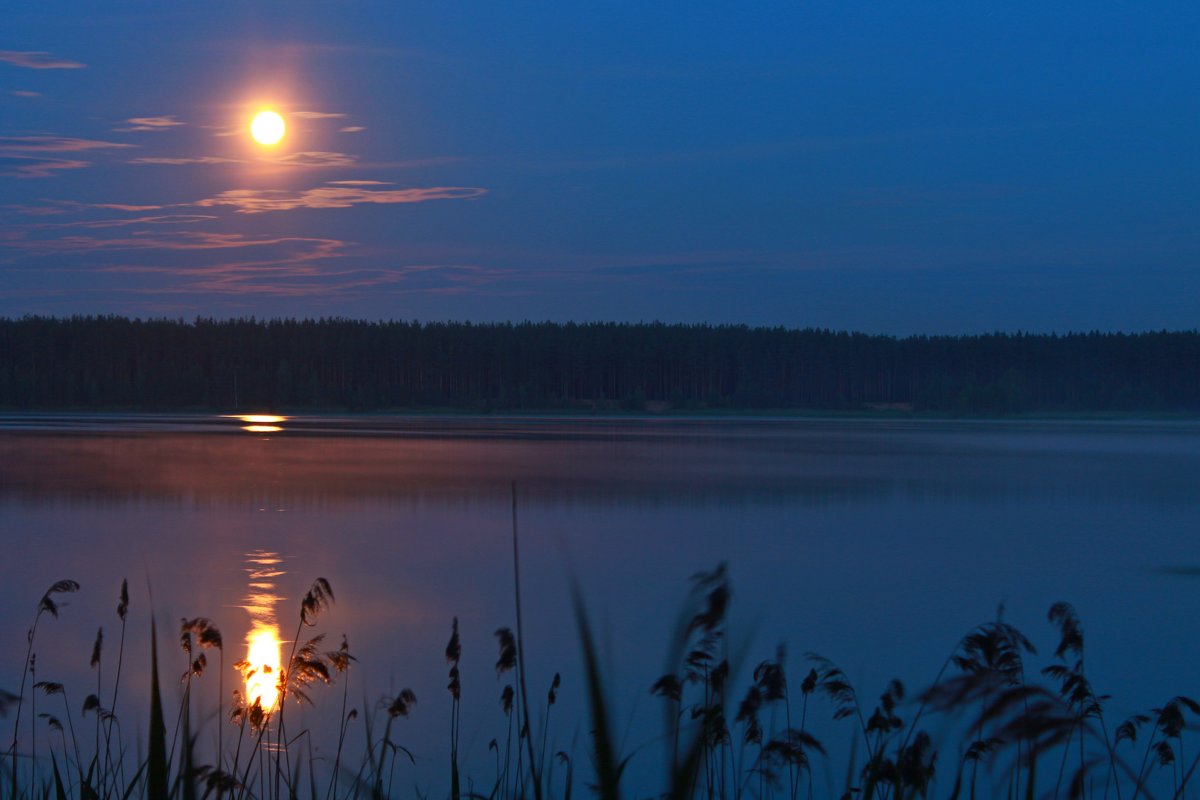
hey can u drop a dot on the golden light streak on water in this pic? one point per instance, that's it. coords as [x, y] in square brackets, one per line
[263, 645]
[259, 423]
[263, 655]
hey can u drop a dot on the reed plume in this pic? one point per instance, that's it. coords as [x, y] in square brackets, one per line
[453, 655]
[47, 605]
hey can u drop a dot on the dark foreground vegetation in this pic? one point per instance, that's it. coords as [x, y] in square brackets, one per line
[114, 362]
[991, 724]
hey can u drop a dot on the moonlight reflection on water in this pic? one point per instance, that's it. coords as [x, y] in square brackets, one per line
[261, 666]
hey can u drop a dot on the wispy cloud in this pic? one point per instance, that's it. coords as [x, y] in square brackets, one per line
[37, 59]
[317, 158]
[62, 206]
[153, 124]
[53, 144]
[277, 266]
[358, 183]
[257, 201]
[185, 160]
[37, 211]
[352, 129]
[309, 278]
[24, 93]
[161, 219]
[28, 166]
[29, 156]
[179, 241]
[316, 115]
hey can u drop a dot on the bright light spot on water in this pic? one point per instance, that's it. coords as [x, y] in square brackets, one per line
[262, 653]
[261, 667]
[259, 423]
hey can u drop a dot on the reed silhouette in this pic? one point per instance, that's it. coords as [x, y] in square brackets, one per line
[989, 724]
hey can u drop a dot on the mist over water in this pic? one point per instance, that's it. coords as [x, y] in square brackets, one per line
[877, 543]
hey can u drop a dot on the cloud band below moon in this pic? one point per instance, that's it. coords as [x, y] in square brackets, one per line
[257, 201]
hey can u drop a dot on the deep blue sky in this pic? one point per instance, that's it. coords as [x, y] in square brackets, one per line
[889, 167]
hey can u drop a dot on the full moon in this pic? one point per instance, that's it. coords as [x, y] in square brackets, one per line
[267, 128]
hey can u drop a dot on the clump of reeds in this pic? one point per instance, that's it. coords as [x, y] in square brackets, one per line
[453, 655]
[47, 605]
[989, 722]
[505, 663]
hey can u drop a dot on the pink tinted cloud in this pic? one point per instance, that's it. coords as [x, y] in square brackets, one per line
[284, 266]
[198, 262]
[154, 124]
[160, 219]
[291, 279]
[246, 265]
[183, 241]
[32, 161]
[124, 207]
[112, 206]
[316, 158]
[37, 59]
[166, 160]
[193, 262]
[38, 211]
[257, 201]
[53, 144]
[39, 167]
[272, 266]
[316, 115]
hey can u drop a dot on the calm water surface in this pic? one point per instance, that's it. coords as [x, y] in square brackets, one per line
[876, 543]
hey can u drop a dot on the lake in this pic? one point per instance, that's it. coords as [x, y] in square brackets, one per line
[875, 542]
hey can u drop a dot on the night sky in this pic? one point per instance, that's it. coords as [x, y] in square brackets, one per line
[887, 167]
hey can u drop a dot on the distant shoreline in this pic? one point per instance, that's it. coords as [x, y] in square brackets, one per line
[715, 415]
[110, 363]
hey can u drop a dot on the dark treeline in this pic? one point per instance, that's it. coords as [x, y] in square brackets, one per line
[115, 362]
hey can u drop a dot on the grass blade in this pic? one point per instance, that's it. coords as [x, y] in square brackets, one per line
[156, 764]
[137, 776]
[608, 770]
[60, 793]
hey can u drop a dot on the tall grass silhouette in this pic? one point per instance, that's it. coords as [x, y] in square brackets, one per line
[992, 722]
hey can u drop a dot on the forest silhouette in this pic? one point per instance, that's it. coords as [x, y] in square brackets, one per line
[111, 362]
